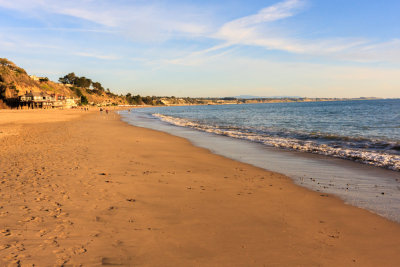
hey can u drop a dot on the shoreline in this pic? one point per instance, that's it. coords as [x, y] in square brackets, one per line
[368, 150]
[94, 190]
[361, 185]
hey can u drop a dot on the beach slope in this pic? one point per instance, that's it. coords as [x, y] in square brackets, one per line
[91, 190]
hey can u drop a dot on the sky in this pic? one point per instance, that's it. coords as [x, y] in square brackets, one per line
[308, 48]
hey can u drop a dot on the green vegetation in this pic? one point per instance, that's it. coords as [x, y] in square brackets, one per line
[72, 79]
[85, 83]
[82, 82]
[3, 88]
[68, 79]
[146, 100]
[77, 91]
[84, 100]
[134, 100]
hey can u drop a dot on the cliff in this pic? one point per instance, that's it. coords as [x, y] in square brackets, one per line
[15, 82]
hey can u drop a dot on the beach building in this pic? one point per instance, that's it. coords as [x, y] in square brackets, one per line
[36, 100]
[71, 102]
[38, 79]
[34, 77]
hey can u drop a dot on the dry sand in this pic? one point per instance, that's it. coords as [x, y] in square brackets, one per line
[95, 191]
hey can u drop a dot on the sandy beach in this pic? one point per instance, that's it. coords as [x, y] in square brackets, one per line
[86, 189]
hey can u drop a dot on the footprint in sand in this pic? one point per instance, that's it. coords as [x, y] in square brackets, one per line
[13, 259]
[5, 232]
[26, 208]
[62, 256]
[52, 241]
[62, 260]
[32, 219]
[4, 247]
[39, 199]
[68, 222]
[79, 250]
[42, 232]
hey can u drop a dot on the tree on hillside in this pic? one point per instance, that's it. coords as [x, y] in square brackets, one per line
[68, 79]
[83, 82]
[133, 100]
[86, 84]
[148, 100]
[97, 86]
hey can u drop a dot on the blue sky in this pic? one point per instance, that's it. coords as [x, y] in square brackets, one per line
[314, 48]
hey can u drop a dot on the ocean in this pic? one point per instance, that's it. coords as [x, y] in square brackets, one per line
[347, 148]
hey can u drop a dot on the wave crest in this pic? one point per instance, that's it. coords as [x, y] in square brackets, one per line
[375, 158]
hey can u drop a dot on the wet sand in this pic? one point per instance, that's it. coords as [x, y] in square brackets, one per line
[91, 190]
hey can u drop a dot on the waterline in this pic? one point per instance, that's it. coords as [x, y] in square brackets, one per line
[357, 184]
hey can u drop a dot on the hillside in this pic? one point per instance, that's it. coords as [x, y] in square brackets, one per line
[15, 82]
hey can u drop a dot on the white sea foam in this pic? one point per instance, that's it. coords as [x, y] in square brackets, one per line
[374, 158]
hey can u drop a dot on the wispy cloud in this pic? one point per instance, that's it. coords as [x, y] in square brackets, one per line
[240, 30]
[98, 56]
[141, 22]
[154, 23]
[388, 51]
[258, 30]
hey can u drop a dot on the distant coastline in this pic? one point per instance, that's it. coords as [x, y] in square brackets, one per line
[235, 100]
[18, 90]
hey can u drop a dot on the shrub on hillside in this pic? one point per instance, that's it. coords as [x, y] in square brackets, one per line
[84, 100]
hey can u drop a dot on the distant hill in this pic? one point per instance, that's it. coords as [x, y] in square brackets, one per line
[260, 97]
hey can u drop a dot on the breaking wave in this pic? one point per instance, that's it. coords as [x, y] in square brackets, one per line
[373, 152]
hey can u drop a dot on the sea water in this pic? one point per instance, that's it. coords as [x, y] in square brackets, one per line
[347, 148]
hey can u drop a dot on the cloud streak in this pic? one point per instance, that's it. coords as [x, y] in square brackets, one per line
[152, 23]
[98, 56]
[269, 14]
[258, 30]
[141, 22]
